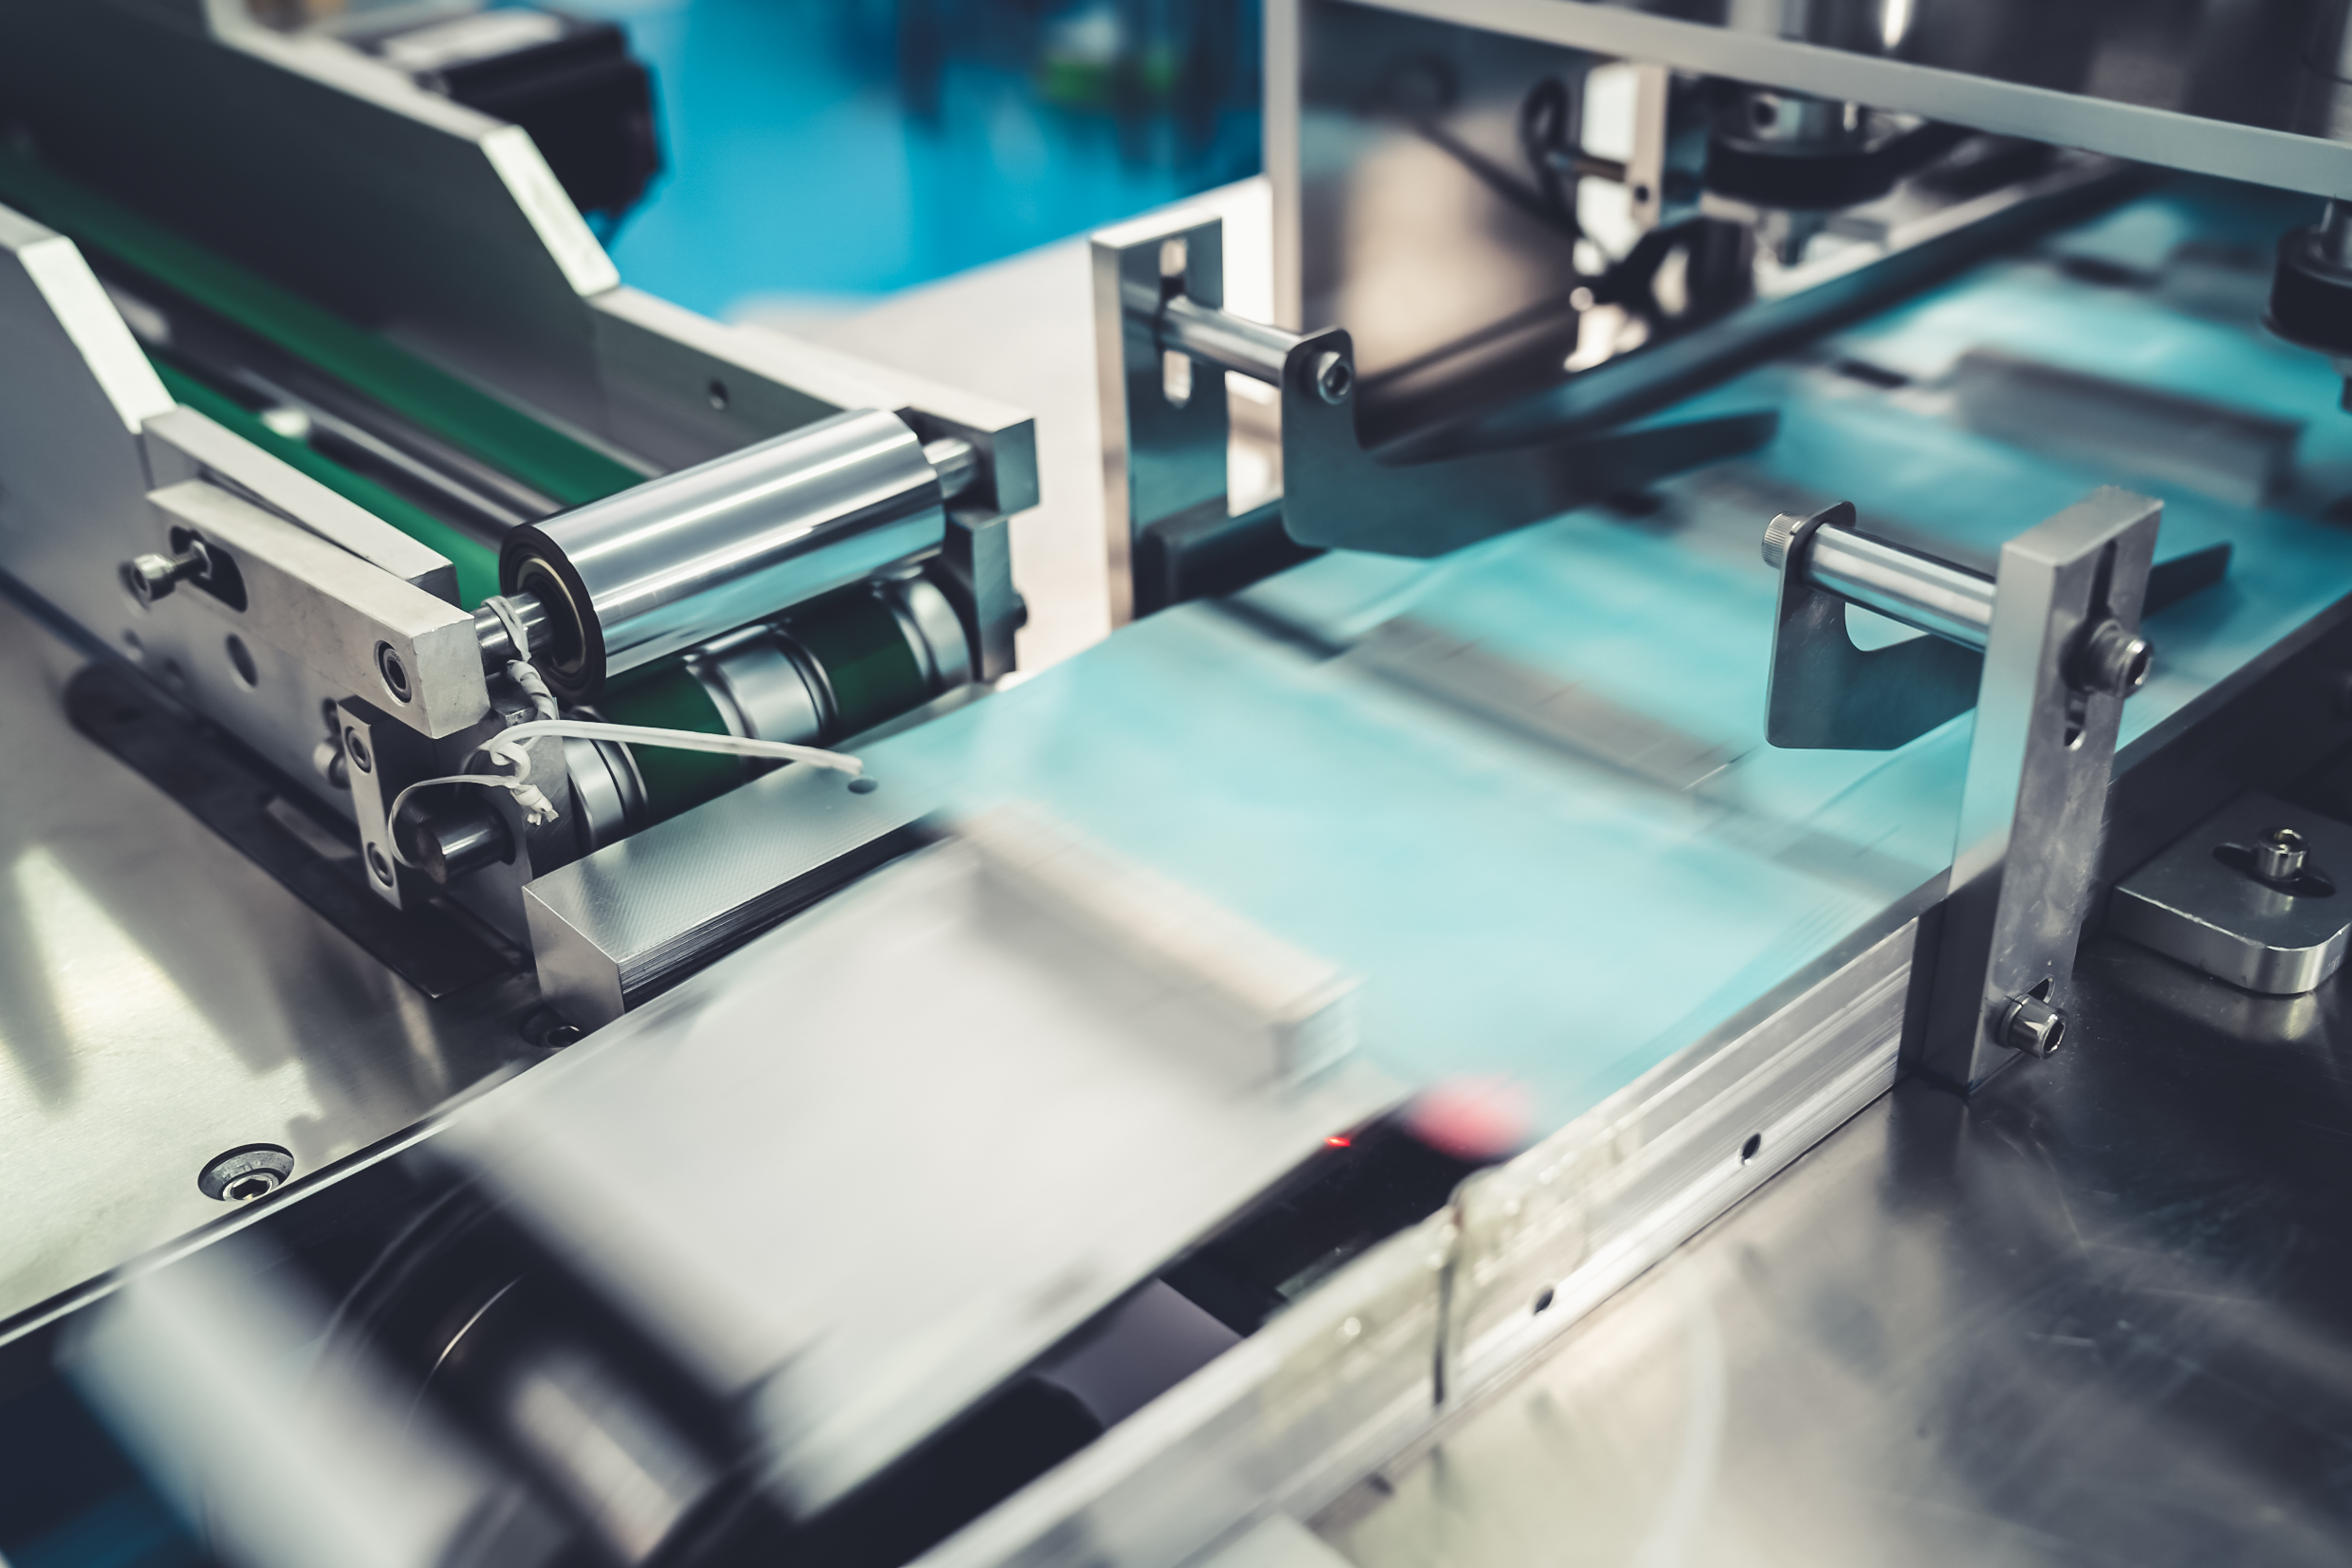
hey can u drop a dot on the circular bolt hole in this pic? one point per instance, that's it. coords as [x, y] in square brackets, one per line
[240, 659]
[1335, 378]
[356, 749]
[1747, 1150]
[131, 641]
[1640, 195]
[864, 786]
[1764, 111]
[1543, 1299]
[244, 1173]
[379, 865]
[395, 673]
[717, 392]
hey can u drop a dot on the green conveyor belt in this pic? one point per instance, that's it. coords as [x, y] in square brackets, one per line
[372, 365]
[476, 563]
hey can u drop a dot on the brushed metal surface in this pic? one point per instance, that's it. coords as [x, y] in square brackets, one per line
[611, 928]
[162, 999]
[858, 1173]
[2094, 1315]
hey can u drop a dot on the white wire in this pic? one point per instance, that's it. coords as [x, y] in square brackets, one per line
[508, 747]
[679, 739]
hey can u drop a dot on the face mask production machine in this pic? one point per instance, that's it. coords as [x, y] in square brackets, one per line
[570, 1005]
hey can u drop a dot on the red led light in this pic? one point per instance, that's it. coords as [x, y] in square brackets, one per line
[1339, 1140]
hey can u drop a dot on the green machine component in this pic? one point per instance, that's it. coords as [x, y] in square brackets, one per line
[230, 344]
[845, 664]
[566, 470]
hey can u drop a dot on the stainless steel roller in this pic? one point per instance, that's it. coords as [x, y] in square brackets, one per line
[683, 558]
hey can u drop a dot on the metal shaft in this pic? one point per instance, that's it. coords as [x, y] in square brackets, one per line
[1920, 591]
[497, 646]
[1228, 341]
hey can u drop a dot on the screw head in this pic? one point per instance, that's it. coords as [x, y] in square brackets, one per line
[2279, 855]
[2033, 1027]
[246, 1173]
[1335, 378]
[395, 674]
[2112, 660]
[149, 578]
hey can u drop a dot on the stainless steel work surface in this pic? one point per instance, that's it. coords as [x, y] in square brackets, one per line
[2098, 1315]
[163, 1001]
[868, 1168]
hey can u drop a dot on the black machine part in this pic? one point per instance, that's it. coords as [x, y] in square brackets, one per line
[2310, 291]
[570, 82]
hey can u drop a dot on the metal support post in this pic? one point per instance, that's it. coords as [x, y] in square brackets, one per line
[2059, 630]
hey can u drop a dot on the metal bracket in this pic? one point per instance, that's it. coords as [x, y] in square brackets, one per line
[2249, 895]
[356, 625]
[1159, 324]
[1826, 693]
[2059, 627]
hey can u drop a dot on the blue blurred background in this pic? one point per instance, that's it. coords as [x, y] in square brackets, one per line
[822, 153]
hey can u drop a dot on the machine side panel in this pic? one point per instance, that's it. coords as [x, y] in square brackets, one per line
[411, 214]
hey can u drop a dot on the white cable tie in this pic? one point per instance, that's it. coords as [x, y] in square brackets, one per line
[520, 669]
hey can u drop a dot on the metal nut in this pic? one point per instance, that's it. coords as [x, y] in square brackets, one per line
[1335, 378]
[2033, 1026]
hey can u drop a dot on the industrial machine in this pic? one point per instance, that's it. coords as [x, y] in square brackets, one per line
[1793, 519]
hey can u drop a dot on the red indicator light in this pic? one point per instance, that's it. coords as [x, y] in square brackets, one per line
[1338, 1141]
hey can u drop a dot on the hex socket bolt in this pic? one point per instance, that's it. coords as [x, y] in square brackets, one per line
[2278, 855]
[2111, 660]
[2033, 1026]
[152, 577]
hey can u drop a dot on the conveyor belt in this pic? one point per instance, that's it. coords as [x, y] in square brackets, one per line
[408, 386]
[1542, 911]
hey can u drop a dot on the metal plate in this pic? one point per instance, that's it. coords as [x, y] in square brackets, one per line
[221, 786]
[162, 999]
[2188, 904]
[868, 1168]
[2092, 1316]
